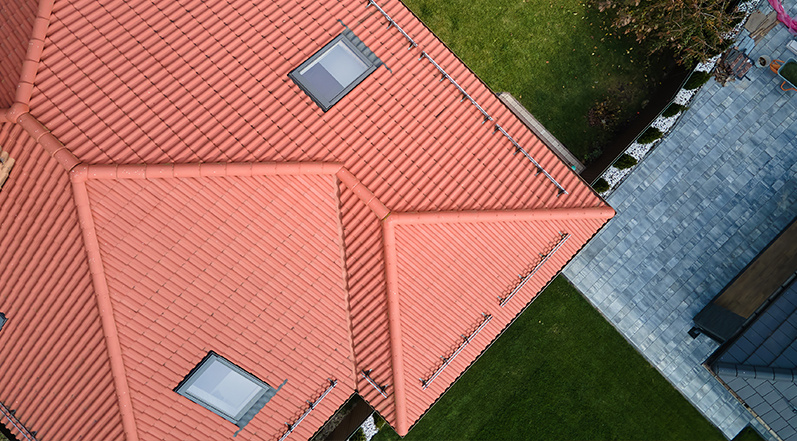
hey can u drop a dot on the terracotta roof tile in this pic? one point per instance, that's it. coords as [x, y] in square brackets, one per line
[147, 324]
[430, 88]
[253, 260]
[47, 295]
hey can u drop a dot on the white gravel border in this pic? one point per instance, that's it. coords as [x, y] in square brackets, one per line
[614, 175]
[369, 428]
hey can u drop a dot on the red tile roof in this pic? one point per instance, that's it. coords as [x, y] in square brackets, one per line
[16, 24]
[55, 367]
[301, 245]
[207, 257]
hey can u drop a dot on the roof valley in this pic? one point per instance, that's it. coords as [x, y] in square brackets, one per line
[345, 278]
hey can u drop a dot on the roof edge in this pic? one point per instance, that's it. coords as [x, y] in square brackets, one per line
[202, 169]
[363, 193]
[30, 64]
[394, 325]
[452, 217]
[104, 304]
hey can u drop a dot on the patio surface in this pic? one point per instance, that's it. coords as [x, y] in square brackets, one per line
[692, 215]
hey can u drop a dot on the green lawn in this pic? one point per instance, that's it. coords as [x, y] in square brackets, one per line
[555, 56]
[748, 434]
[561, 371]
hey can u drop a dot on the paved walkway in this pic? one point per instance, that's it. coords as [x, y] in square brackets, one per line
[720, 187]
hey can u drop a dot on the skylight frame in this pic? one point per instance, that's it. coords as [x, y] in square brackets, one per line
[357, 48]
[248, 410]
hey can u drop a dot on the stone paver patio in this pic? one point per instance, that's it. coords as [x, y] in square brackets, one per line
[701, 206]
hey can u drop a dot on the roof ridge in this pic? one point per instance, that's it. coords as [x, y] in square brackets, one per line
[82, 173]
[389, 225]
[363, 193]
[770, 373]
[205, 169]
[30, 64]
[78, 177]
[478, 216]
[394, 324]
[39, 133]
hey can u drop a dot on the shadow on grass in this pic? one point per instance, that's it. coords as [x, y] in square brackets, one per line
[557, 57]
[561, 372]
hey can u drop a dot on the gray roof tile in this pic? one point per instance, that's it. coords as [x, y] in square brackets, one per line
[698, 221]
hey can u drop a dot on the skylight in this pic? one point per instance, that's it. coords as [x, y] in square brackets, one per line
[335, 70]
[225, 389]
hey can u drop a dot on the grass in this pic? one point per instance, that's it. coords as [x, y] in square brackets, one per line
[561, 371]
[748, 434]
[556, 56]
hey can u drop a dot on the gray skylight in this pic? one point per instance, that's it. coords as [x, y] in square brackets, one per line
[225, 389]
[335, 70]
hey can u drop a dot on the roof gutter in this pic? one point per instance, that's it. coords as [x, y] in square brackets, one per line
[17, 425]
[707, 367]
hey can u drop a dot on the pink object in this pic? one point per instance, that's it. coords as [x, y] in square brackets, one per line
[790, 22]
[175, 193]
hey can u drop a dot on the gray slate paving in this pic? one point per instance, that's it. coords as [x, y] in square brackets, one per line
[690, 216]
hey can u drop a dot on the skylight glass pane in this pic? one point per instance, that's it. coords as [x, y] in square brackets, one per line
[321, 82]
[223, 388]
[343, 64]
[330, 73]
